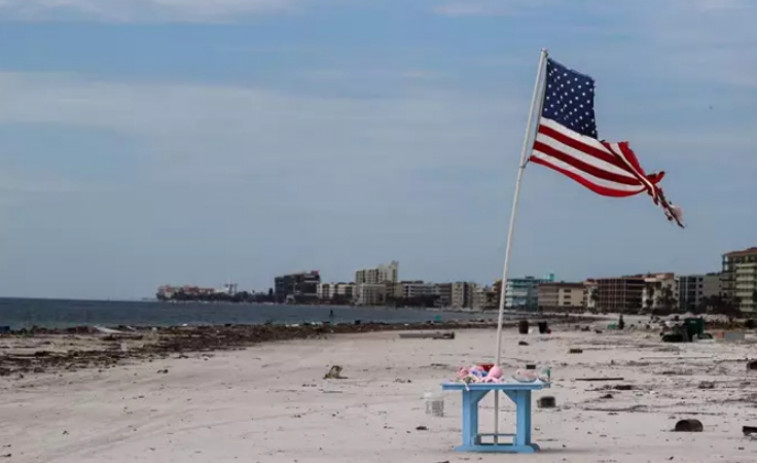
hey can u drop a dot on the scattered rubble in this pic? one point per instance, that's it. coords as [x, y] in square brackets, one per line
[689, 425]
[334, 373]
[546, 402]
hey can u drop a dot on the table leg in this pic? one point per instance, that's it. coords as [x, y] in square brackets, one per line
[470, 417]
[523, 419]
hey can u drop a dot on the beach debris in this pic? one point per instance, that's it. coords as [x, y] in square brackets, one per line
[751, 365]
[403, 381]
[576, 350]
[543, 327]
[690, 425]
[7, 455]
[421, 428]
[523, 327]
[530, 366]
[749, 430]
[522, 343]
[606, 378]
[335, 372]
[624, 387]
[546, 402]
[706, 385]
[526, 376]
[733, 336]
[65, 432]
[434, 403]
[431, 335]
[607, 396]
[163, 371]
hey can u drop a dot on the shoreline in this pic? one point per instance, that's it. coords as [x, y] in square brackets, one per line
[39, 350]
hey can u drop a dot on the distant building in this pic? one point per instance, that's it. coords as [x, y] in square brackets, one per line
[344, 290]
[694, 289]
[373, 286]
[325, 291]
[167, 292]
[621, 294]
[444, 290]
[380, 274]
[590, 294]
[660, 292]
[414, 289]
[523, 293]
[485, 298]
[462, 294]
[370, 294]
[297, 287]
[561, 296]
[341, 293]
[739, 278]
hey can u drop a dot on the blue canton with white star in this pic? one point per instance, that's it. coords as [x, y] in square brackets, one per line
[569, 99]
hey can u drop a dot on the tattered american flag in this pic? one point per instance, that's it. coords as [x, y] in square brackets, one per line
[566, 141]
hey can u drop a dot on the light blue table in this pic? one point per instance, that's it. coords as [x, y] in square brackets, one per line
[520, 393]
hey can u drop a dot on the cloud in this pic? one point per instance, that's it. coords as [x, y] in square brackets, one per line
[487, 7]
[214, 134]
[140, 10]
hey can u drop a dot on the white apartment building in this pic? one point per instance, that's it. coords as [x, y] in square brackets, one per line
[660, 291]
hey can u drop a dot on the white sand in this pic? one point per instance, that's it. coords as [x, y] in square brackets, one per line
[270, 404]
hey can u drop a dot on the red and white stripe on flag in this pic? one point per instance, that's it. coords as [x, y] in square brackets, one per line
[608, 169]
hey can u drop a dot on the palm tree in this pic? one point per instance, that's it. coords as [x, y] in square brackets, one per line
[650, 298]
[667, 299]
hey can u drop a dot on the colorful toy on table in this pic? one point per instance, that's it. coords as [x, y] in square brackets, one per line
[494, 375]
[489, 373]
[479, 374]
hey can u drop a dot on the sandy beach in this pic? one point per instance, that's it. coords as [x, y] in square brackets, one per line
[270, 403]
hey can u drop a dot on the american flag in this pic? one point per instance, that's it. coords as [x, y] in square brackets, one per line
[567, 142]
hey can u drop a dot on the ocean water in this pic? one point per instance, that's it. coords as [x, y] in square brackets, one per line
[51, 313]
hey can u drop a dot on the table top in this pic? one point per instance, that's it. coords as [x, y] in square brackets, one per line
[504, 386]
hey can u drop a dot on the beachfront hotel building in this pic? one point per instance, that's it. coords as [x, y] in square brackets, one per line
[371, 294]
[342, 292]
[523, 293]
[693, 290]
[444, 293]
[739, 278]
[590, 294]
[373, 286]
[485, 298]
[620, 294]
[462, 294]
[660, 292]
[297, 287]
[385, 273]
[568, 297]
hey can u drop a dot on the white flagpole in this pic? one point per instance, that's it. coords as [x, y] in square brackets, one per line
[537, 99]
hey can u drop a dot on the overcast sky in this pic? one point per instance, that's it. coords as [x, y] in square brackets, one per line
[145, 142]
